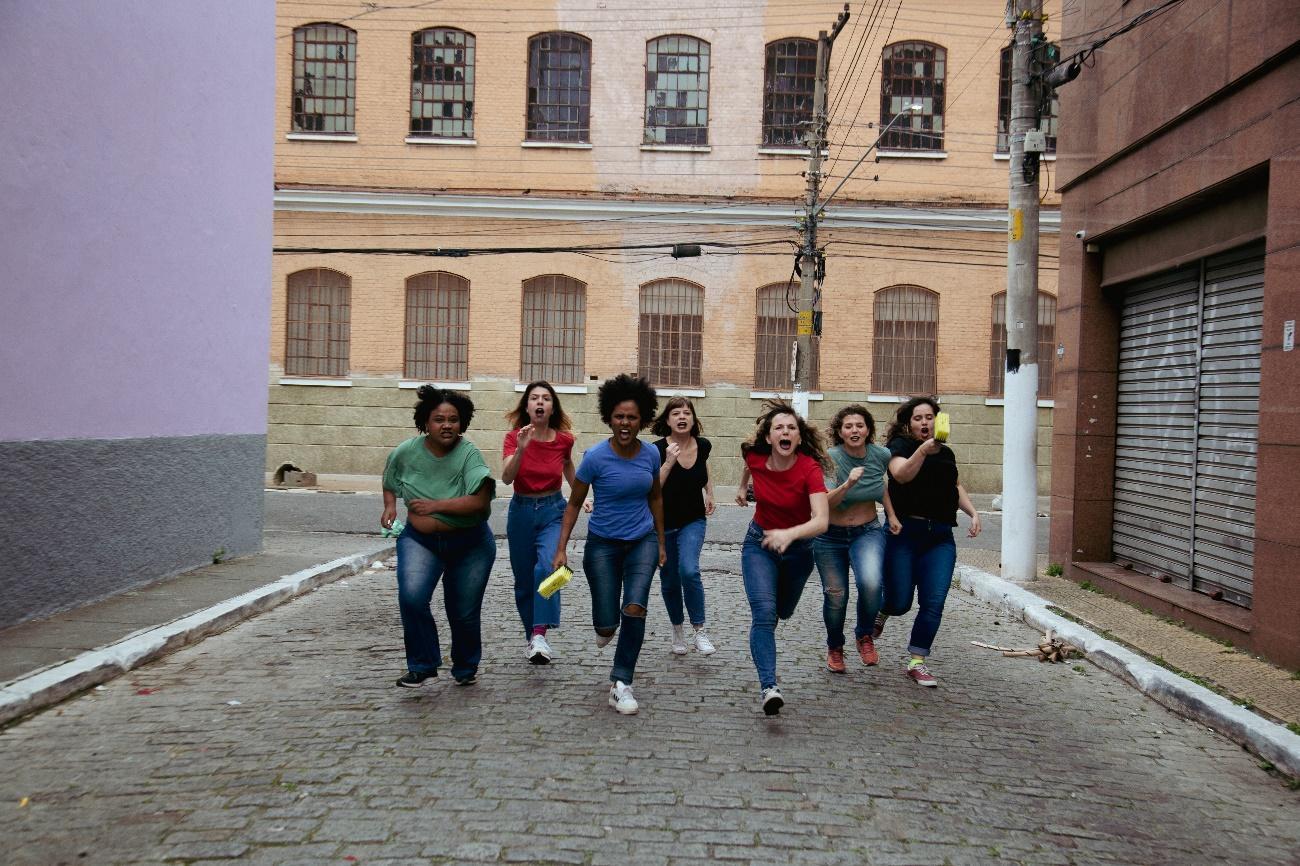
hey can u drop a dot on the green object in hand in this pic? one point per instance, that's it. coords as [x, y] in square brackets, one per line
[394, 530]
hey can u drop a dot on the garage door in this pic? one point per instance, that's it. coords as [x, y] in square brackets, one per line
[1187, 424]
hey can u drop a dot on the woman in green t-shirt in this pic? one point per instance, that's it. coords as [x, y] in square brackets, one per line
[448, 491]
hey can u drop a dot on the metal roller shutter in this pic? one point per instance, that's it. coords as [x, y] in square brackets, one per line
[1187, 424]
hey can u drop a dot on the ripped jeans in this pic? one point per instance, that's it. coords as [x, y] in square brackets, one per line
[619, 574]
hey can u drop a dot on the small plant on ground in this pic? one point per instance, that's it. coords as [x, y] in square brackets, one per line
[218, 555]
[1055, 569]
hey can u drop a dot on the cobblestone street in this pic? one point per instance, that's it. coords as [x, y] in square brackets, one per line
[284, 740]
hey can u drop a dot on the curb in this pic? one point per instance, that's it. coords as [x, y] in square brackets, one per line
[1270, 741]
[49, 686]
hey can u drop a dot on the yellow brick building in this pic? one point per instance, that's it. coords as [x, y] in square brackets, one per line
[484, 126]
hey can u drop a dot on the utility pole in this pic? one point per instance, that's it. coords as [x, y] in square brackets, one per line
[1020, 412]
[808, 256]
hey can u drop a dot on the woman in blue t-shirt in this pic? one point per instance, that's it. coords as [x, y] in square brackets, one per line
[920, 557]
[855, 537]
[625, 536]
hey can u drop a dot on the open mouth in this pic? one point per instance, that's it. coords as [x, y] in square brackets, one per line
[925, 432]
[784, 444]
[539, 412]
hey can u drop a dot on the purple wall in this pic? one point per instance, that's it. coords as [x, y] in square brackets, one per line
[136, 204]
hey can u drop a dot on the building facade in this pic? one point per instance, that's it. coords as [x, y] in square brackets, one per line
[626, 130]
[1176, 455]
[135, 284]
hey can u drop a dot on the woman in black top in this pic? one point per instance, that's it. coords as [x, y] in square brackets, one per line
[688, 499]
[920, 556]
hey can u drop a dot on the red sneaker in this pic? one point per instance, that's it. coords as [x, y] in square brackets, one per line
[867, 649]
[835, 660]
[921, 674]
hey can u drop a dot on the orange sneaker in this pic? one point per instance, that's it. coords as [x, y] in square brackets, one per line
[835, 660]
[867, 649]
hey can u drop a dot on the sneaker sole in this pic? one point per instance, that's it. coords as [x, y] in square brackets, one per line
[539, 659]
[470, 681]
[772, 706]
[707, 652]
[930, 685]
[622, 712]
[680, 652]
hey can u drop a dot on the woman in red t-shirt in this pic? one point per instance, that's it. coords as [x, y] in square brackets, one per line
[786, 459]
[538, 453]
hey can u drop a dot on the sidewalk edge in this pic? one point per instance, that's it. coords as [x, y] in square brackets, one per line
[46, 687]
[1268, 740]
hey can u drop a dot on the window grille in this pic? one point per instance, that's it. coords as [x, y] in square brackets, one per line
[442, 83]
[1049, 122]
[553, 330]
[559, 88]
[1046, 345]
[317, 323]
[912, 73]
[905, 346]
[775, 332]
[671, 334]
[324, 79]
[437, 327]
[789, 78]
[677, 91]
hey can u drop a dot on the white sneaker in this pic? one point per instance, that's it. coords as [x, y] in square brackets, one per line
[703, 645]
[772, 701]
[620, 698]
[539, 651]
[679, 641]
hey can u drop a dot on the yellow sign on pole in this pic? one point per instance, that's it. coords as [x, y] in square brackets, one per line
[805, 323]
[1017, 224]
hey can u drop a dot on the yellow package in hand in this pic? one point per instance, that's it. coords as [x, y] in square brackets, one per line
[555, 582]
[941, 426]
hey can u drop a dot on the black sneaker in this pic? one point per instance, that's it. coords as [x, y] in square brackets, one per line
[772, 700]
[467, 680]
[415, 679]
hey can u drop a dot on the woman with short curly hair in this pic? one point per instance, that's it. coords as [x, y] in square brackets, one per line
[625, 536]
[786, 459]
[448, 491]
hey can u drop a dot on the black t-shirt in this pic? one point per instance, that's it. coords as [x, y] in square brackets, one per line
[932, 493]
[683, 499]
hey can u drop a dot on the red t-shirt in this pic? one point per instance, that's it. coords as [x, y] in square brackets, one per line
[542, 466]
[782, 497]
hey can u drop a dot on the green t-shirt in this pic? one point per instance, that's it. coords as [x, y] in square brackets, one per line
[871, 486]
[412, 472]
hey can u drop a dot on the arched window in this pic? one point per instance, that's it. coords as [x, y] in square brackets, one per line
[559, 88]
[1048, 123]
[553, 330]
[775, 333]
[318, 323]
[1046, 345]
[904, 348]
[677, 90]
[912, 73]
[324, 79]
[789, 78]
[442, 83]
[437, 327]
[671, 333]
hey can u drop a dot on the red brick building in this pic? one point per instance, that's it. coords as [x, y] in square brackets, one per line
[1176, 448]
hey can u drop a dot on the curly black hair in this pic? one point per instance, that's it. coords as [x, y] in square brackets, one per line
[810, 440]
[624, 387]
[852, 409]
[518, 416]
[431, 398]
[661, 427]
[901, 423]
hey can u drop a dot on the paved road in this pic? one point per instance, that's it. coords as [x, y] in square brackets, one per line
[315, 511]
[284, 741]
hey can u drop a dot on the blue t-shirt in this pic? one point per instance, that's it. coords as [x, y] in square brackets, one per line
[622, 487]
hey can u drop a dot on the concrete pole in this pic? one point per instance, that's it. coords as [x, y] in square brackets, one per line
[816, 138]
[1020, 412]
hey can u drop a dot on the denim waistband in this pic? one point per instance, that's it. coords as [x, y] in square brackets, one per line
[755, 534]
[926, 523]
[438, 541]
[520, 500]
[849, 532]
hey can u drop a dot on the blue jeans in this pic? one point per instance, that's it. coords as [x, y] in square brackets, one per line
[532, 534]
[836, 550]
[465, 556]
[619, 574]
[680, 576]
[773, 584]
[919, 559]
